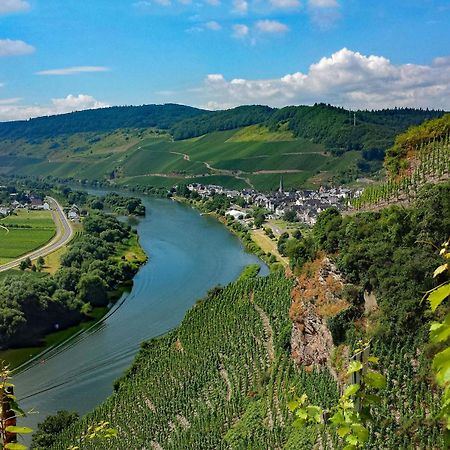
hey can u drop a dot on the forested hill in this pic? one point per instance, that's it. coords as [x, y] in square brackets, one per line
[230, 119]
[99, 120]
[338, 129]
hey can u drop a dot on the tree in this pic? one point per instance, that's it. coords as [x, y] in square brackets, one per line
[290, 216]
[46, 433]
[92, 289]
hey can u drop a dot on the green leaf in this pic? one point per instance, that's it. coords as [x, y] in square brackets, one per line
[354, 366]
[298, 423]
[343, 431]
[314, 412]
[361, 432]
[437, 296]
[301, 413]
[373, 359]
[293, 405]
[440, 331]
[20, 430]
[337, 418]
[352, 390]
[349, 447]
[15, 446]
[375, 380]
[441, 366]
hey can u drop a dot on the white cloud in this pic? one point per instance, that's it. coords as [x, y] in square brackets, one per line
[240, 6]
[11, 6]
[74, 70]
[9, 101]
[285, 4]
[324, 13]
[271, 26]
[346, 78]
[12, 110]
[9, 47]
[213, 25]
[240, 31]
[146, 5]
[323, 3]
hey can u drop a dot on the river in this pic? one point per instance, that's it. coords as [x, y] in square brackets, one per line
[188, 255]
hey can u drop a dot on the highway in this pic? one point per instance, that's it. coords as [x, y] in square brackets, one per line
[64, 234]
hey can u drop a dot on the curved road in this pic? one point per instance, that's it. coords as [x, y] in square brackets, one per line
[64, 234]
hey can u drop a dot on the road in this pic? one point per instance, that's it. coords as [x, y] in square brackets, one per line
[64, 234]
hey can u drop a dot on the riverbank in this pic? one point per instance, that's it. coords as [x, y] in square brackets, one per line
[19, 358]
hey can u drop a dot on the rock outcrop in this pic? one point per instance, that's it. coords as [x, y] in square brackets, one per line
[316, 297]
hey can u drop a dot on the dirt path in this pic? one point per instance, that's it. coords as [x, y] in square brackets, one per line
[224, 375]
[268, 331]
[185, 156]
[261, 172]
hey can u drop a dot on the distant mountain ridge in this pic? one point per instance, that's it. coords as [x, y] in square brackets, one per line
[99, 120]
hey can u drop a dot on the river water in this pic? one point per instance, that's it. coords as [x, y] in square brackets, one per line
[188, 255]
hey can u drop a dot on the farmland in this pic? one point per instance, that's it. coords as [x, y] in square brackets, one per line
[24, 232]
[247, 157]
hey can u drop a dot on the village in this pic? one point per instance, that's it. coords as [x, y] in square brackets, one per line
[301, 206]
[11, 202]
[14, 201]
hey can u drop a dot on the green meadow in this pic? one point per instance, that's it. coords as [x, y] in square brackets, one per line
[24, 232]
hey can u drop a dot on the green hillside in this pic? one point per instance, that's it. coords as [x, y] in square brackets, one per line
[249, 146]
[225, 155]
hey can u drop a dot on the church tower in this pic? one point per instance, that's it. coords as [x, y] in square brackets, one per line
[280, 189]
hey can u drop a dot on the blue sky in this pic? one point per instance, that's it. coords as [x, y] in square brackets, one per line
[57, 56]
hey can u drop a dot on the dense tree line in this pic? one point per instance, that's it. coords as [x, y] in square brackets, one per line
[342, 130]
[104, 119]
[120, 204]
[31, 306]
[230, 119]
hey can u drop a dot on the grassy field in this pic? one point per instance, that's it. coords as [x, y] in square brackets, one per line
[25, 232]
[248, 157]
[269, 245]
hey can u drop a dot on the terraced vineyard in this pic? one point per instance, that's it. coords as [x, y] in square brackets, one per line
[432, 163]
[222, 380]
[247, 157]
